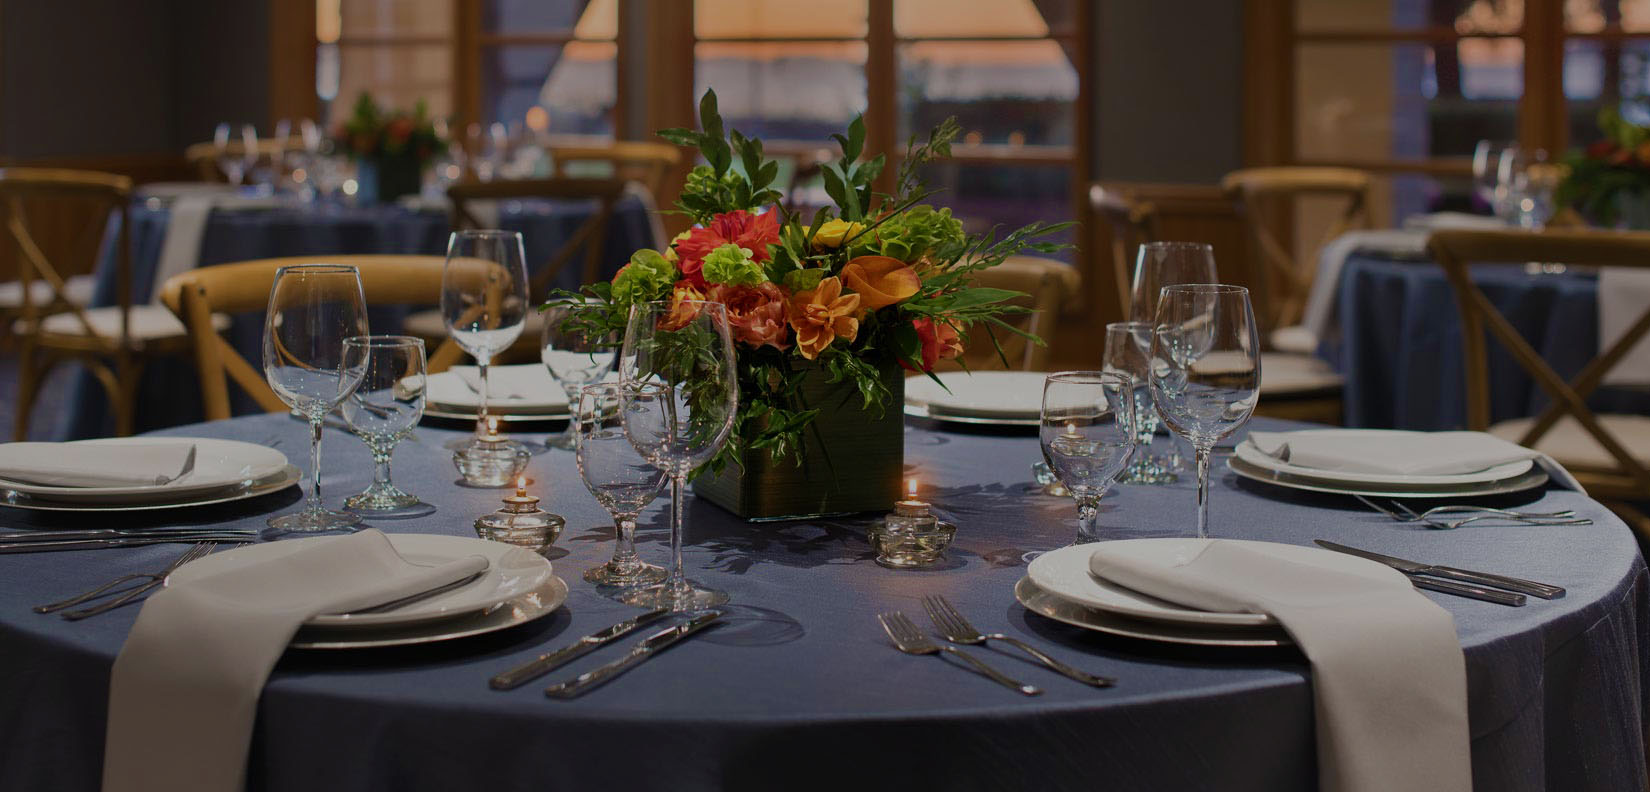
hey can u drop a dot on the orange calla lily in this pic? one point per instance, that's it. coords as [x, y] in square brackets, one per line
[821, 315]
[880, 281]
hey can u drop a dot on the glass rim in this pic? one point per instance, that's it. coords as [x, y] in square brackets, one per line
[1132, 324]
[1205, 288]
[318, 269]
[1174, 245]
[599, 387]
[485, 233]
[384, 341]
[1086, 377]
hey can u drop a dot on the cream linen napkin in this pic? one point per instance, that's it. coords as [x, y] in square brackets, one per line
[1397, 452]
[510, 383]
[1388, 676]
[96, 464]
[180, 247]
[1622, 296]
[184, 691]
[1319, 313]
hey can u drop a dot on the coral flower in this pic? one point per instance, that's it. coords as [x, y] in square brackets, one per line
[880, 281]
[940, 341]
[823, 314]
[683, 306]
[754, 232]
[756, 313]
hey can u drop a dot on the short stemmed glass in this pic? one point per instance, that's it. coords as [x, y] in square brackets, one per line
[623, 482]
[484, 300]
[312, 309]
[382, 411]
[1087, 433]
[1128, 347]
[578, 351]
[1205, 370]
[680, 399]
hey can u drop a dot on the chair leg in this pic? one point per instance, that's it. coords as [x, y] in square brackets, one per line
[129, 375]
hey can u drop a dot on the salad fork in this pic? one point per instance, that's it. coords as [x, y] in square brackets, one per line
[200, 551]
[1430, 517]
[910, 640]
[955, 628]
[194, 552]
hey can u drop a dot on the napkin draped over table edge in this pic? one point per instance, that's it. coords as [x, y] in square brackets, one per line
[1388, 673]
[183, 694]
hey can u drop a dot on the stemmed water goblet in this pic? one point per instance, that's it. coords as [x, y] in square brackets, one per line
[1128, 349]
[1159, 264]
[1205, 370]
[577, 350]
[312, 309]
[383, 410]
[233, 167]
[484, 301]
[623, 482]
[681, 396]
[1087, 433]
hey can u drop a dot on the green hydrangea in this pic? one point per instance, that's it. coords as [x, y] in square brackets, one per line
[733, 265]
[804, 279]
[911, 234]
[647, 277]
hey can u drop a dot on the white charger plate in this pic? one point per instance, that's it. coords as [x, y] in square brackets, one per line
[981, 394]
[1530, 479]
[1065, 574]
[218, 464]
[511, 572]
[287, 476]
[1042, 602]
[1251, 453]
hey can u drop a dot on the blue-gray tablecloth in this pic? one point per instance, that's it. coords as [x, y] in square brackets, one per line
[803, 691]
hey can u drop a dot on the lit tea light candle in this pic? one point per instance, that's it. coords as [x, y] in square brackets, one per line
[911, 500]
[910, 536]
[521, 486]
[492, 426]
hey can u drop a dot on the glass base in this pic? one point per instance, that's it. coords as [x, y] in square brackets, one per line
[561, 440]
[1148, 469]
[684, 595]
[636, 573]
[316, 521]
[380, 497]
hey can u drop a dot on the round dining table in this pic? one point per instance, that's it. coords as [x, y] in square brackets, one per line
[801, 689]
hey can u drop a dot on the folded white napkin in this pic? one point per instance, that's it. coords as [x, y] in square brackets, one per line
[184, 691]
[1622, 297]
[1397, 452]
[529, 384]
[1388, 675]
[1319, 312]
[1439, 221]
[97, 464]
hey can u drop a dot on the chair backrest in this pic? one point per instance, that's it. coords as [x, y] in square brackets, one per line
[1046, 283]
[645, 161]
[1288, 280]
[591, 234]
[243, 287]
[1456, 250]
[87, 199]
[1132, 223]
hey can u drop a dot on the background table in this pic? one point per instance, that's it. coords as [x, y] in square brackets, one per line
[801, 689]
[1399, 343]
[170, 394]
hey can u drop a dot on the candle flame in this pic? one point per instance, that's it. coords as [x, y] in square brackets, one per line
[492, 424]
[911, 487]
[521, 486]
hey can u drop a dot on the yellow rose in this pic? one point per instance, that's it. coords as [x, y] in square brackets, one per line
[670, 249]
[834, 232]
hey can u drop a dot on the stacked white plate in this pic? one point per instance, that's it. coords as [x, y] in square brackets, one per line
[223, 470]
[1250, 462]
[519, 392]
[518, 586]
[1003, 398]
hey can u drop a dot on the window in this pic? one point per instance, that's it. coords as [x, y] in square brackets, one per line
[551, 65]
[399, 52]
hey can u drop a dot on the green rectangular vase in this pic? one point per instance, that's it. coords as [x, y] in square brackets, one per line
[852, 459]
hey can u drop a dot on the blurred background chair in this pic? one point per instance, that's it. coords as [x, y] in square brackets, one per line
[1047, 283]
[647, 162]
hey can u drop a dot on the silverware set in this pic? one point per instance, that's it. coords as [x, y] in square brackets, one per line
[1486, 586]
[101, 538]
[1439, 517]
[152, 581]
[951, 625]
[590, 680]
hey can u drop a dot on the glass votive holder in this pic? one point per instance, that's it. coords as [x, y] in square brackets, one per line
[492, 461]
[521, 522]
[910, 536]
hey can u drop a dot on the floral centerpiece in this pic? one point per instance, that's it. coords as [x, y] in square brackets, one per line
[1608, 182]
[824, 312]
[393, 147]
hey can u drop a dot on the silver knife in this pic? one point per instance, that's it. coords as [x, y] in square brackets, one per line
[1520, 585]
[41, 546]
[649, 646]
[550, 661]
[116, 533]
[1469, 591]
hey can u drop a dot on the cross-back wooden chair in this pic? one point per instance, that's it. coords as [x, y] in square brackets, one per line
[1287, 281]
[1046, 283]
[645, 161]
[243, 287]
[1132, 223]
[1609, 454]
[591, 235]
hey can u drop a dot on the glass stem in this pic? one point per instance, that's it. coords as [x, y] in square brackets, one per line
[313, 504]
[1203, 456]
[481, 412]
[381, 469]
[572, 432]
[624, 548]
[1088, 514]
[677, 582]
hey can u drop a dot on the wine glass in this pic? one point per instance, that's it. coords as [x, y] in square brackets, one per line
[1128, 348]
[312, 309]
[577, 350]
[252, 160]
[484, 300]
[623, 482]
[1486, 172]
[1087, 433]
[382, 411]
[1205, 370]
[1159, 264]
[680, 400]
[233, 167]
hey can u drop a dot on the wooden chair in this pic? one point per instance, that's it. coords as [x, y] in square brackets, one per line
[1609, 454]
[1131, 223]
[1287, 281]
[645, 161]
[243, 287]
[1047, 283]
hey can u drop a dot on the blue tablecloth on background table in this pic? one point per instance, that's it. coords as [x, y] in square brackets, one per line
[1399, 343]
[170, 394]
[802, 690]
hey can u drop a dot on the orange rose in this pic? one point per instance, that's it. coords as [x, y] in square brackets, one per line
[880, 281]
[684, 306]
[821, 315]
[940, 341]
[757, 313]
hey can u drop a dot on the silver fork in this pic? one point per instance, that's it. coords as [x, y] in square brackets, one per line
[955, 628]
[1430, 516]
[199, 551]
[910, 640]
[1448, 524]
[194, 552]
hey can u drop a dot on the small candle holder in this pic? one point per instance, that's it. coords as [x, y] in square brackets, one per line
[911, 536]
[521, 522]
[491, 460]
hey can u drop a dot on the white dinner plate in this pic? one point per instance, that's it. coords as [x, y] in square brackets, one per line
[1529, 479]
[1042, 602]
[539, 602]
[981, 394]
[1251, 453]
[1065, 574]
[511, 572]
[285, 477]
[531, 389]
[219, 464]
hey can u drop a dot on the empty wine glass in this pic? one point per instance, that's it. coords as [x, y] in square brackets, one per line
[260, 175]
[1159, 264]
[232, 165]
[1128, 348]
[1205, 370]
[312, 309]
[484, 300]
[383, 410]
[577, 350]
[1087, 433]
[680, 399]
[623, 482]
[1486, 172]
